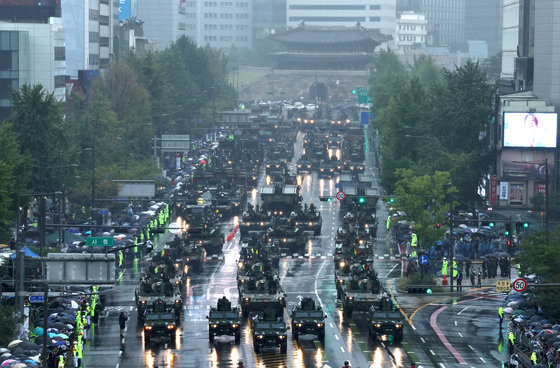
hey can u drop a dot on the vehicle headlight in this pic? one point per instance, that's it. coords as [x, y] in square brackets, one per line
[299, 324]
[143, 302]
[170, 327]
[398, 325]
[320, 324]
[281, 299]
[342, 264]
[246, 299]
[297, 223]
[177, 301]
[234, 325]
[147, 328]
[310, 224]
[340, 281]
[377, 325]
[282, 337]
[240, 265]
[350, 298]
[214, 325]
[260, 336]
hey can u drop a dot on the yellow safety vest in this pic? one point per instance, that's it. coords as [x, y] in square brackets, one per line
[388, 222]
[534, 358]
[444, 268]
[60, 361]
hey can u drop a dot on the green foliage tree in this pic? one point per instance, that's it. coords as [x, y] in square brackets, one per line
[537, 258]
[8, 322]
[387, 79]
[425, 199]
[426, 70]
[37, 119]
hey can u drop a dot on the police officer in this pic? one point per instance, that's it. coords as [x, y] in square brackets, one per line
[534, 359]
[501, 315]
[60, 361]
[511, 342]
[75, 354]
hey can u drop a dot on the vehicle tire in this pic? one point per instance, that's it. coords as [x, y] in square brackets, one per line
[348, 312]
[321, 336]
[295, 335]
[257, 348]
[211, 337]
[283, 348]
[237, 338]
[245, 312]
[338, 294]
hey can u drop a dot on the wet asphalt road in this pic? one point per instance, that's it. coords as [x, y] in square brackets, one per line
[451, 332]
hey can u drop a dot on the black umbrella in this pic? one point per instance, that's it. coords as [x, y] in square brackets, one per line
[28, 345]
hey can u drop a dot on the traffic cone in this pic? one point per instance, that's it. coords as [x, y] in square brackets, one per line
[444, 281]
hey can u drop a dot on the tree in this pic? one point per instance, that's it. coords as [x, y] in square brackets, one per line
[426, 70]
[462, 111]
[538, 258]
[15, 171]
[7, 324]
[387, 79]
[425, 199]
[38, 122]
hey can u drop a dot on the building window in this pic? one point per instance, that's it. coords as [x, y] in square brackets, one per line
[182, 10]
[93, 60]
[374, 19]
[375, 7]
[327, 7]
[93, 14]
[59, 81]
[328, 19]
[59, 53]
[104, 20]
[516, 194]
[94, 37]
[182, 26]
[104, 41]
[103, 63]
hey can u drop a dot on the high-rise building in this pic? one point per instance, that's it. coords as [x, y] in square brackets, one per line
[379, 15]
[219, 24]
[483, 22]
[411, 31]
[32, 49]
[269, 17]
[446, 21]
[91, 26]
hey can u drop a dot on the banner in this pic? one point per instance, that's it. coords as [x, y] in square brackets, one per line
[493, 189]
[504, 190]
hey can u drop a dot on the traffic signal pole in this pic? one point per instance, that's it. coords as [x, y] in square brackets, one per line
[451, 247]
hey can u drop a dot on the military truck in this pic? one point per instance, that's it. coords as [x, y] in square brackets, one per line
[159, 323]
[308, 219]
[386, 323]
[269, 330]
[151, 292]
[261, 292]
[308, 319]
[361, 291]
[224, 320]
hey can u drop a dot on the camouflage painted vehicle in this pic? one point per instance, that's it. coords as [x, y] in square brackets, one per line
[224, 320]
[386, 323]
[262, 292]
[159, 326]
[308, 319]
[361, 291]
[269, 330]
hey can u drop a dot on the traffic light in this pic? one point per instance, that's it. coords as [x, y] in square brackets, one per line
[354, 91]
[509, 243]
[438, 225]
[361, 200]
[392, 200]
[491, 224]
[508, 230]
[325, 199]
[419, 290]
[525, 225]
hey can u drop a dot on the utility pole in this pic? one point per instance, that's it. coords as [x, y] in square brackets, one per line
[451, 246]
[546, 199]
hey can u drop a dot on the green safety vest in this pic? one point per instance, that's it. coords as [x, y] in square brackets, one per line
[455, 270]
[80, 355]
[444, 268]
[60, 361]
[414, 241]
[388, 222]
[511, 337]
[501, 312]
[135, 245]
[534, 358]
[120, 257]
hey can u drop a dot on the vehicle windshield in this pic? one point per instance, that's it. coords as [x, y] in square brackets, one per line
[224, 314]
[309, 314]
[159, 316]
[387, 315]
[271, 325]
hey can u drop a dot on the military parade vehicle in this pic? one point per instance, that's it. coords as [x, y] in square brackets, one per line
[308, 219]
[159, 324]
[269, 331]
[255, 220]
[224, 320]
[308, 319]
[386, 323]
[285, 235]
[361, 291]
[260, 292]
[280, 196]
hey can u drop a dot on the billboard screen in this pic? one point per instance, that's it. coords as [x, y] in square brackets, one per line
[526, 164]
[531, 130]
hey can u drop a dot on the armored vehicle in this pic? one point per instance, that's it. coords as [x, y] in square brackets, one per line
[261, 292]
[361, 291]
[386, 323]
[280, 196]
[269, 330]
[224, 320]
[308, 319]
[151, 292]
[159, 323]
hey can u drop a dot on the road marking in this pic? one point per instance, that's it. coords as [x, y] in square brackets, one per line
[331, 325]
[460, 334]
[441, 365]
[462, 310]
[424, 341]
[443, 339]
[336, 337]
[483, 361]
[455, 323]
[391, 270]
[470, 347]
[342, 349]
[431, 351]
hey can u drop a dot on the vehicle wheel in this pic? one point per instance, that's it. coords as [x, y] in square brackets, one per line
[211, 337]
[338, 294]
[283, 348]
[257, 348]
[295, 335]
[321, 337]
[348, 312]
[245, 313]
[238, 338]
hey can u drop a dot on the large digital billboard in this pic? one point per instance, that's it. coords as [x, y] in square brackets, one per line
[530, 130]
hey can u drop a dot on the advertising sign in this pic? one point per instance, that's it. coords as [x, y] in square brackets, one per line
[504, 193]
[124, 10]
[493, 189]
[526, 163]
[540, 188]
[532, 130]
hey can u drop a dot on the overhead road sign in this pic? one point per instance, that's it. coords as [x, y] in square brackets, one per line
[99, 241]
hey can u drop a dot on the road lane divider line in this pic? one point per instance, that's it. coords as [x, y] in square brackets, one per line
[443, 339]
[460, 334]
[454, 321]
[391, 270]
[470, 347]
[398, 306]
[462, 310]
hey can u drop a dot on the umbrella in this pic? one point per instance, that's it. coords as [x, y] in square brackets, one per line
[62, 335]
[3, 350]
[38, 331]
[6, 362]
[508, 310]
[19, 365]
[28, 345]
[14, 344]
[513, 304]
[32, 362]
[60, 343]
